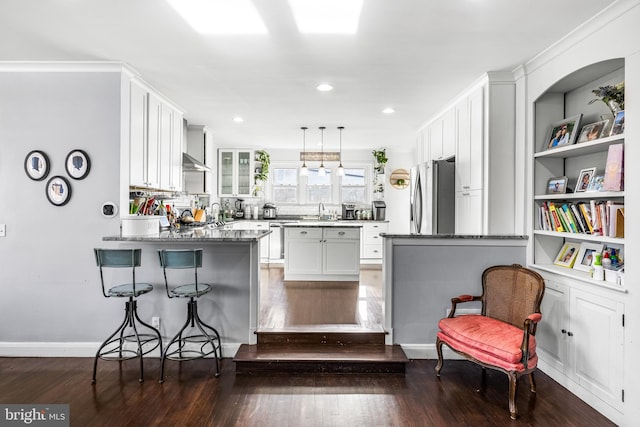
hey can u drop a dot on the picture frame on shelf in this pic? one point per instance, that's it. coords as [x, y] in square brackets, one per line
[618, 124]
[584, 179]
[77, 164]
[596, 183]
[567, 255]
[563, 133]
[593, 131]
[37, 165]
[557, 185]
[58, 190]
[586, 255]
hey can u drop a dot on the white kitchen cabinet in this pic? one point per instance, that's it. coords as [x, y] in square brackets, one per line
[469, 215]
[371, 249]
[581, 337]
[254, 225]
[435, 135]
[329, 253]
[235, 173]
[448, 134]
[341, 252]
[155, 144]
[469, 113]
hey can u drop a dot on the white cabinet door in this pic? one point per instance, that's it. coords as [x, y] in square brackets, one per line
[371, 240]
[341, 251]
[177, 147]
[303, 251]
[435, 140]
[153, 142]
[469, 212]
[235, 172]
[138, 136]
[551, 334]
[165, 161]
[449, 134]
[597, 345]
[470, 141]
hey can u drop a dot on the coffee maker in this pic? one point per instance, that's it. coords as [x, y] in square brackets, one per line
[379, 209]
[239, 208]
[348, 211]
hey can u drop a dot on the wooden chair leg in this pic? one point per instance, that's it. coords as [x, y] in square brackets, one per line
[440, 359]
[532, 383]
[513, 387]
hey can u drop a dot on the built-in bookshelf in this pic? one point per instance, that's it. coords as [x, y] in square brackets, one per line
[576, 212]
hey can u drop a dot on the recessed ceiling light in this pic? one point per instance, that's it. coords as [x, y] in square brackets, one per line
[238, 119]
[327, 16]
[324, 87]
[389, 110]
[220, 16]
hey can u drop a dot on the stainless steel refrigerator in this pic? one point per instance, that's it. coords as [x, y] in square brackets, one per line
[433, 198]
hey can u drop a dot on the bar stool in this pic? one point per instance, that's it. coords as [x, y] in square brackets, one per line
[202, 340]
[115, 347]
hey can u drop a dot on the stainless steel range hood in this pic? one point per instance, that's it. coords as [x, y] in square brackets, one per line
[191, 164]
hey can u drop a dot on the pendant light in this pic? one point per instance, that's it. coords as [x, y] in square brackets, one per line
[340, 168]
[303, 169]
[321, 170]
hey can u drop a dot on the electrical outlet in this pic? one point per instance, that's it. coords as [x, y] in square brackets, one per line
[155, 322]
[3, 230]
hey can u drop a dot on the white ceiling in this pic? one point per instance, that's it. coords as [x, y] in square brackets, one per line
[413, 55]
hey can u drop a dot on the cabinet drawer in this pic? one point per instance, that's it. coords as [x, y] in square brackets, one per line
[372, 238]
[341, 233]
[304, 233]
[372, 251]
[376, 227]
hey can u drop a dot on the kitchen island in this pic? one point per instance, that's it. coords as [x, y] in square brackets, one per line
[231, 264]
[423, 272]
[323, 250]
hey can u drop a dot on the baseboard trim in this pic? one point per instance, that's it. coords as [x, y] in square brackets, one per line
[76, 349]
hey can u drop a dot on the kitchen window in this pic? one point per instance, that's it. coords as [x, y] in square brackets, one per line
[286, 187]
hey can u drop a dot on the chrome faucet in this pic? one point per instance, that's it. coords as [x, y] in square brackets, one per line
[320, 210]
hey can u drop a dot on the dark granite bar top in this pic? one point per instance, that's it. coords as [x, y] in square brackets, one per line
[201, 235]
[455, 236]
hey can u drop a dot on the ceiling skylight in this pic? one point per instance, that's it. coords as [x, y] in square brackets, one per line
[326, 16]
[220, 16]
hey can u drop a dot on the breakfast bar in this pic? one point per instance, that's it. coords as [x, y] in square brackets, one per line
[231, 264]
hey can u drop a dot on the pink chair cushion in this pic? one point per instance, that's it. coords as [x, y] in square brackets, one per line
[488, 340]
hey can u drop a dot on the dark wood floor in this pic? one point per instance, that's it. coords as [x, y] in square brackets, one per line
[192, 396]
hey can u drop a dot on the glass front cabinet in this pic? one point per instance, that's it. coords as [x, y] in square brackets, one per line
[235, 172]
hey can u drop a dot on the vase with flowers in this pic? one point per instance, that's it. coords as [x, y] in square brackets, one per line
[611, 95]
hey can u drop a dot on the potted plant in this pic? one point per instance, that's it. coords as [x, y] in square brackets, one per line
[381, 160]
[611, 95]
[262, 170]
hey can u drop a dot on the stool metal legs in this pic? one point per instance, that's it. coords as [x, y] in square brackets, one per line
[118, 352]
[202, 345]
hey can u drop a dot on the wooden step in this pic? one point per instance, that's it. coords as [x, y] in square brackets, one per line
[313, 349]
[322, 334]
[278, 359]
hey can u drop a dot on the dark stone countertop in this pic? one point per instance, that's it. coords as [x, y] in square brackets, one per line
[201, 235]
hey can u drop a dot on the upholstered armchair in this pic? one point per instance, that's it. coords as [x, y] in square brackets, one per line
[502, 337]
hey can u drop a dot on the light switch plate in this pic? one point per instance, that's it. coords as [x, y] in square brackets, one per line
[3, 230]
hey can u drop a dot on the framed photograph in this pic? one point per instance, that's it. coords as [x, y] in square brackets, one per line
[592, 131]
[567, 255]
[58, 190]
[618, 124]
[563, 133]
[586, 255]
[557, 185]
[36, 165]
[584, 179]
[77, 164]
[596, 183]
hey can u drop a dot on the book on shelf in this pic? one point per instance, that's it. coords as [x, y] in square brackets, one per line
[614, 169]
[598, 218]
